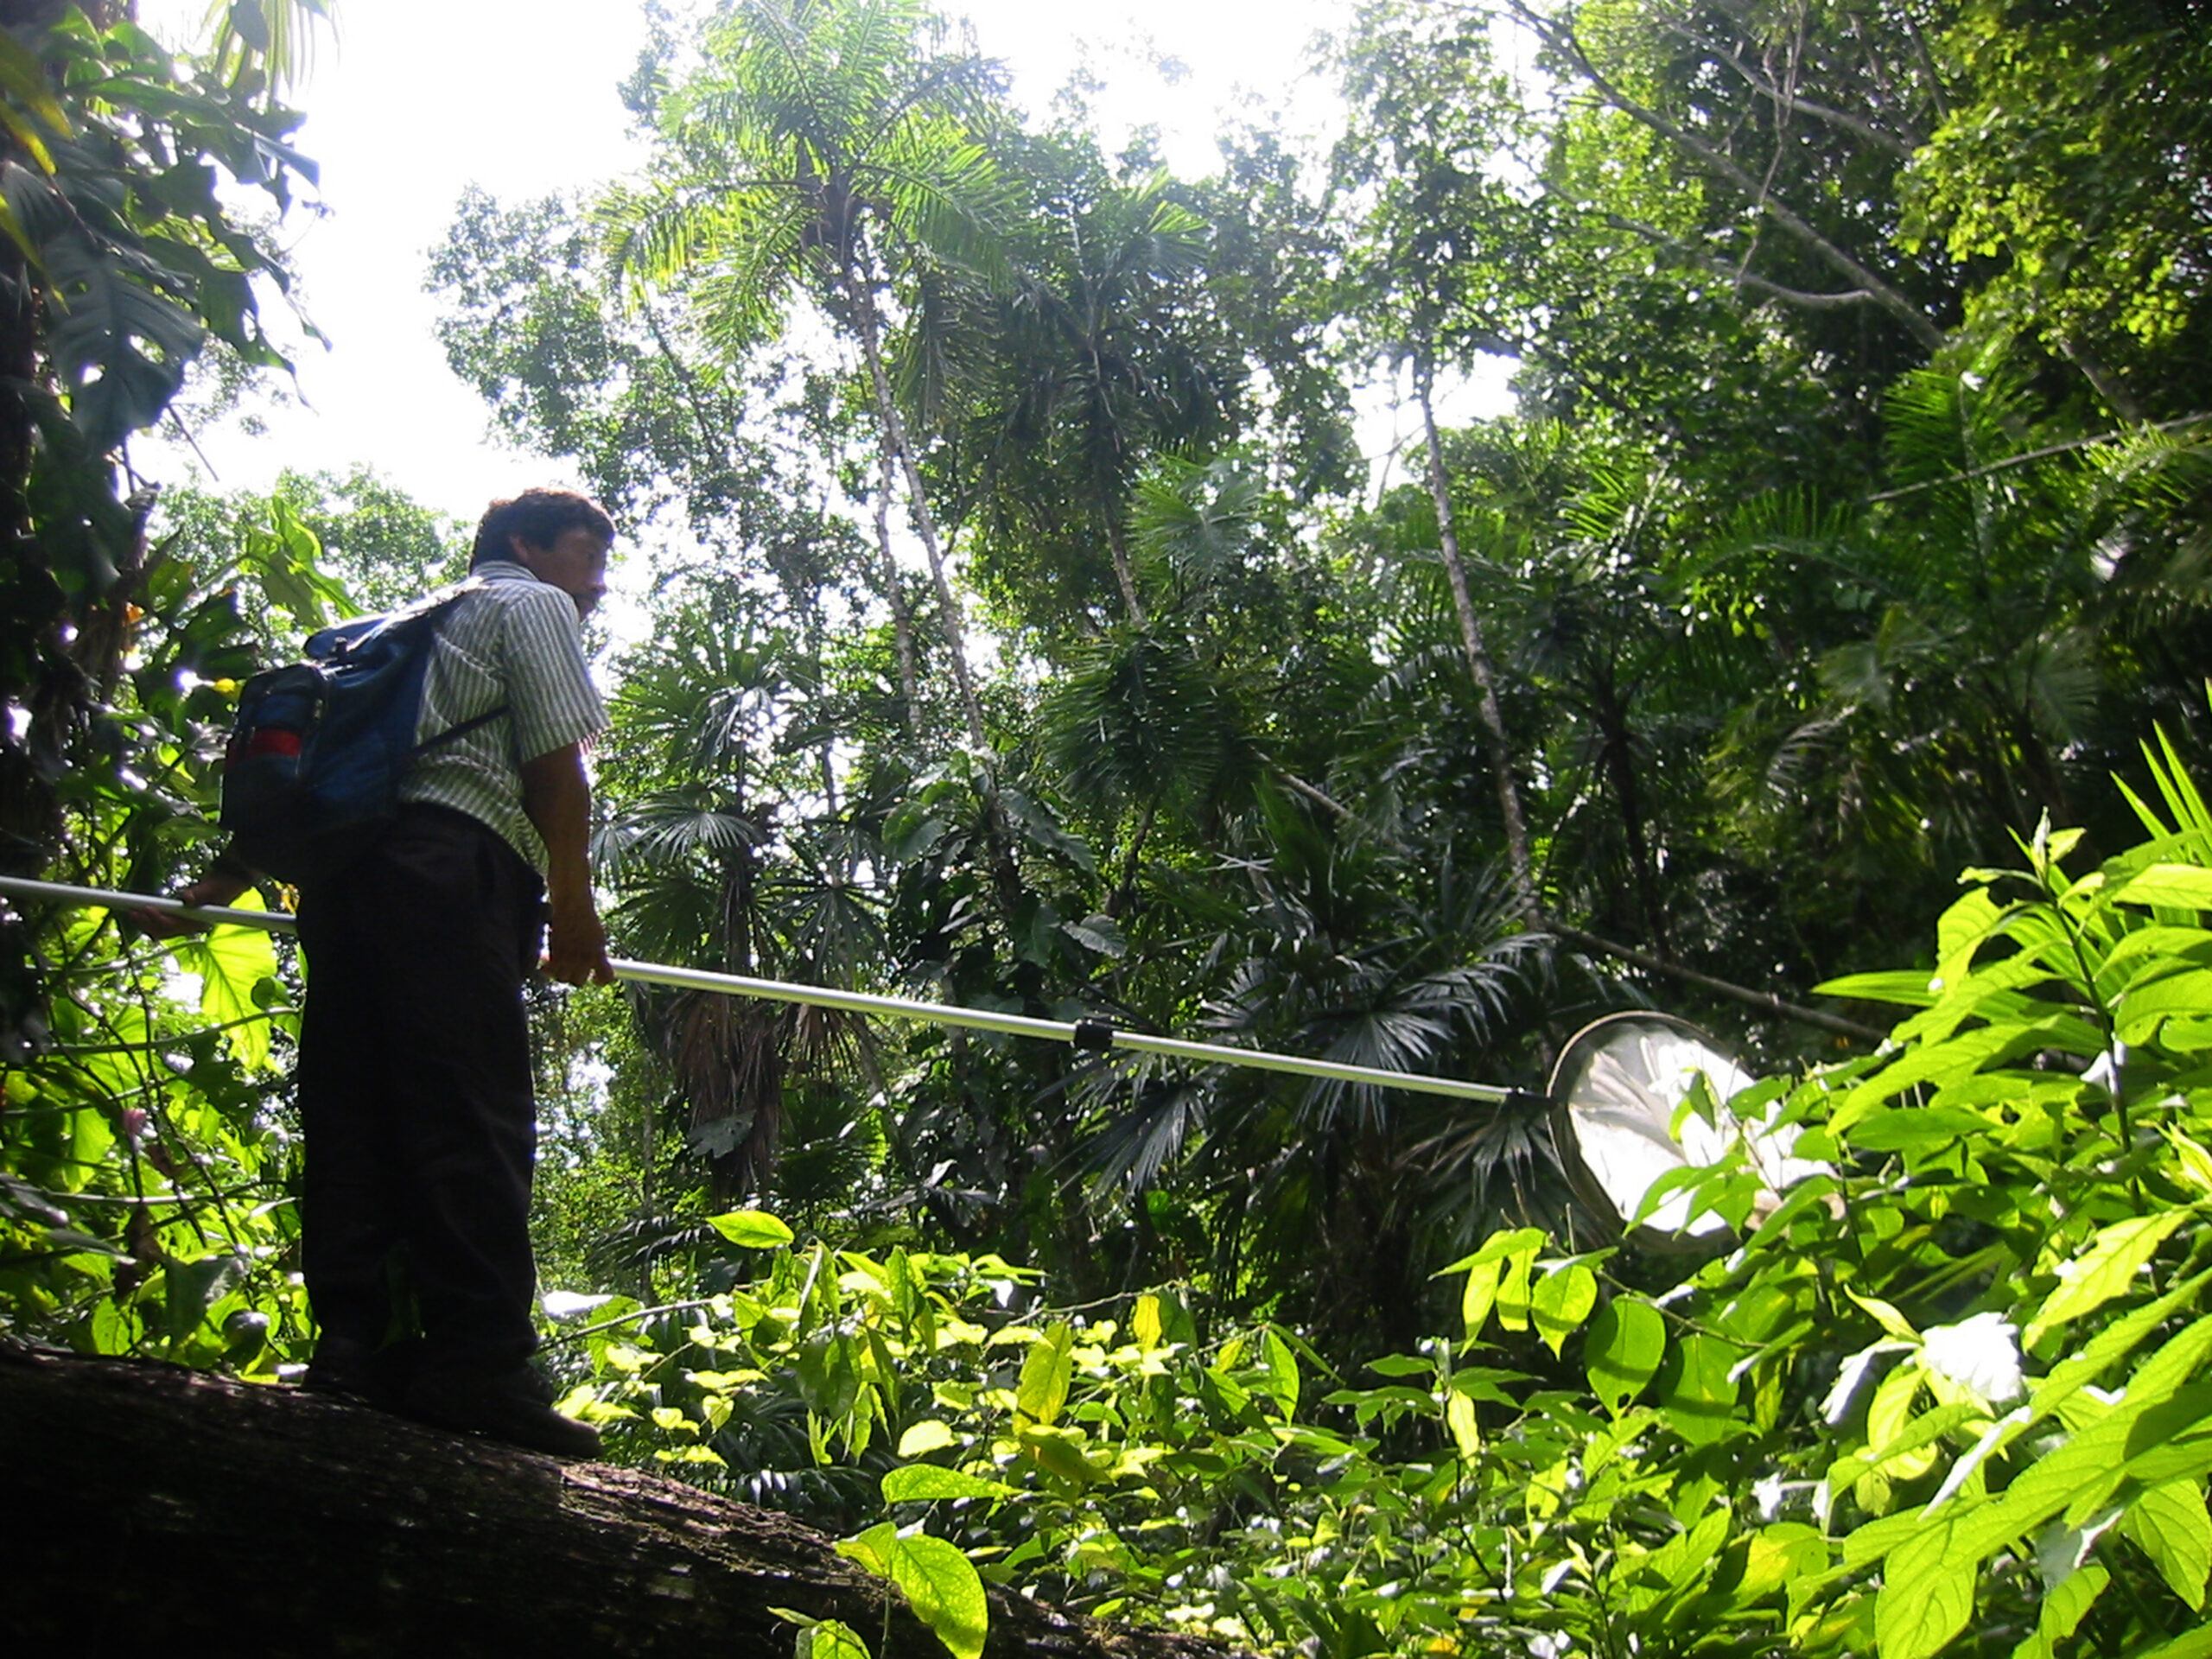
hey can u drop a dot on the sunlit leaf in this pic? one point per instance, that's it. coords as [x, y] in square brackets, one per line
[752, 1229]
[1626, 1342]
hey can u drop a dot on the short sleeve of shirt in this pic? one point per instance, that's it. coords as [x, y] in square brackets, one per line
[549, 691]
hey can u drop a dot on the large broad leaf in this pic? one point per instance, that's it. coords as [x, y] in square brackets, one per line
[121, 345]
[752, 1229]
[2169, 1523]
[2063, 1610]
[1561, 1300]
[829, 1640]
[2197, 1644]
[233, 964]
[1282, 1374]
[2107, 1268]
[926, 1483]
[1623, 1352]
[2145, 1007]
[1926, 1595]
[1045, 1372]
[2169, 887]
[1696, 1390]
[945, 1591]
[1041, 828]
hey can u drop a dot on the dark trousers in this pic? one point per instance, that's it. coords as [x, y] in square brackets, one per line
[415, 1091]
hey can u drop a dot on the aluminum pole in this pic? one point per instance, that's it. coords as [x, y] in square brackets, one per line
[1084, 1034]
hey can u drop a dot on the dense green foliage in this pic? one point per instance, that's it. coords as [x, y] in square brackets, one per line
[1021, 630]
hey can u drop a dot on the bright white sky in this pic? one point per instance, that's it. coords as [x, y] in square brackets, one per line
[417, 99]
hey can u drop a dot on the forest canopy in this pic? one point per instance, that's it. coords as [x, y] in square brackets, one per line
[1031, 623]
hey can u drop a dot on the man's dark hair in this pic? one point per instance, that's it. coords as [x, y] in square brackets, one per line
[538, 517]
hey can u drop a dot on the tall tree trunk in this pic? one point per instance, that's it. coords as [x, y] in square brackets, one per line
[1618, 757]
[1470, 640]
[902, 618]
[1117, 542]
[868, 328]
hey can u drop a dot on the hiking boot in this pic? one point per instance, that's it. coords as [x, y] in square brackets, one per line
[510, 1406]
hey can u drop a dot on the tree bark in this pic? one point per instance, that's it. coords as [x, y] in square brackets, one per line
[867, 326]
[902, 620]
[163, 1510]
[1470, 640]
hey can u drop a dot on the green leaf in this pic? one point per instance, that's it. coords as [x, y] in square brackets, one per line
[1099, 933]
[2195, 1644]
[1562, 1299]
[945, 1590]
[752, 1229]
[190, 1287]
[1497, 1248]
[1926, 1597]
[1513, 1288]
[1041, 828]
[2182, 996]
[1899, 1128]
[1046, 1370]
[1696, 1391]
[2104, 1270]
[2195, 1159]
[1893, 1323]
[2169, 887]
[1889, 1420]
[21, 74]
[829, 1640]
[1460, 1419]
[1145, 1326]
[925, 1437]
[1479, 1295]
[1626, 1342]
[2168, 1525]
[926, 1483]
[232, 964]
[1966, 925]
[911, 832]
[1057, 1451]
[2063, 1610]
[1907, 987]
[1282, 1374]
[872, 1548]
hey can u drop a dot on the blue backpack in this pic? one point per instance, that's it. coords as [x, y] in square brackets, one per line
[311, 774]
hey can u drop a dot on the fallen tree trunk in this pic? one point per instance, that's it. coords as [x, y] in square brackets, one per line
[153, 1507]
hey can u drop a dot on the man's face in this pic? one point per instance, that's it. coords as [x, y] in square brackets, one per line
[575, 564]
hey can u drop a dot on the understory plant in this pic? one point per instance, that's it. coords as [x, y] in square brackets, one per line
[1950, 1397]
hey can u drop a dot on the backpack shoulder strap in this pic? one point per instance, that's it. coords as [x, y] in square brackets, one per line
[433, 611]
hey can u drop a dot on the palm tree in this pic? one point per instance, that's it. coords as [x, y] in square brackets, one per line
[700, 783]
[1100, 359]
[822, 148]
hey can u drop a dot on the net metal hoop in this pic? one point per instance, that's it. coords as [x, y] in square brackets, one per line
[1612, 1126]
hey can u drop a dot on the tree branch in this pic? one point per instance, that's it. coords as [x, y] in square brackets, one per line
[2043, 453]
[1765, 1000]
[1790, 102]
[1561, 38]
[1797, 296]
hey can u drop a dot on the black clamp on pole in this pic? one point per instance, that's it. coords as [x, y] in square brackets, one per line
[1093, 1034]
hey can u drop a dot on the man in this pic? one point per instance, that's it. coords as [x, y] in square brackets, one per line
[414, 1079]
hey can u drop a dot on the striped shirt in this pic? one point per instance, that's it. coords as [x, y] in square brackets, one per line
[517, 641]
